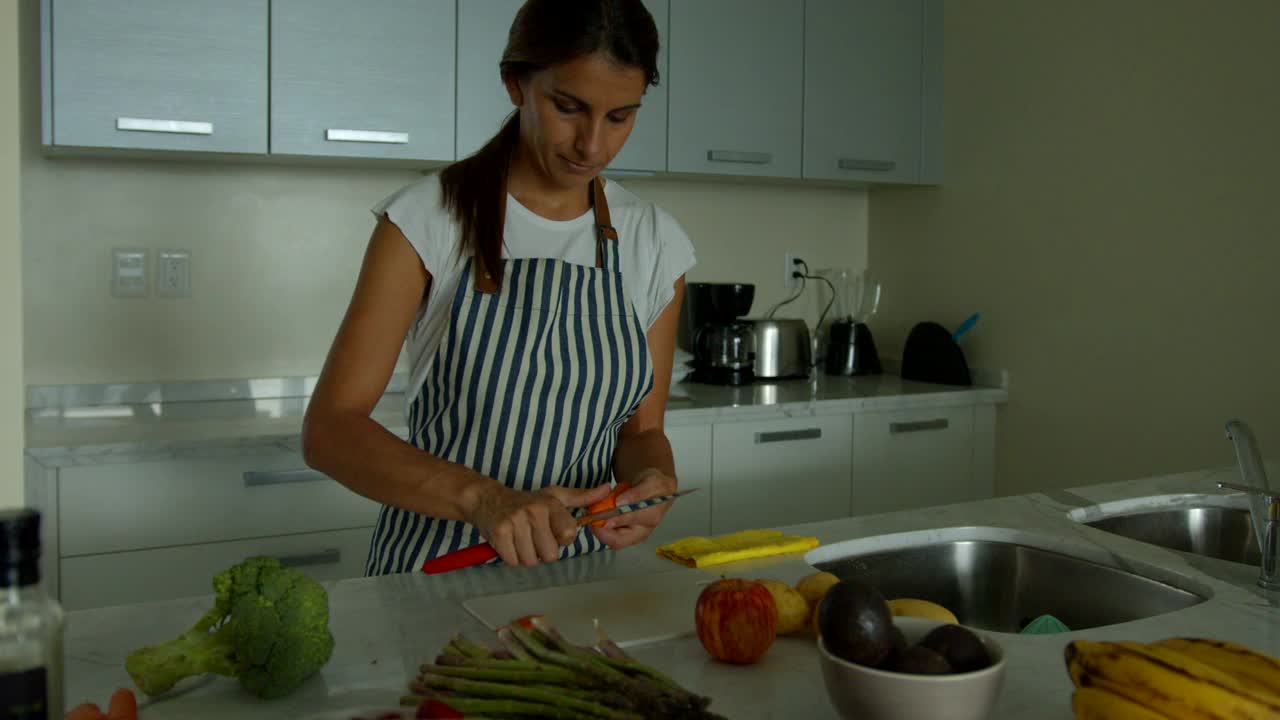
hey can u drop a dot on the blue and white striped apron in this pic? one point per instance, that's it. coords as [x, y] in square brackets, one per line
[529, 386]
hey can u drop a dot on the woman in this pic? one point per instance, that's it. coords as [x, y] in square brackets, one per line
[540, 305]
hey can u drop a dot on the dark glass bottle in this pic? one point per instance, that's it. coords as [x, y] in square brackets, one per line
[30, 625]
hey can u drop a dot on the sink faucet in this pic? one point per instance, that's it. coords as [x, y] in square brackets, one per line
[1264, 503]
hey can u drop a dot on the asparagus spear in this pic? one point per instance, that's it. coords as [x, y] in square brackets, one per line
[468, 648]
[563, 699]
[552, 675]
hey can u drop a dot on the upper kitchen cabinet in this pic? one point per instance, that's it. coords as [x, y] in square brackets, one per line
[736, 87]
[371, 79]
[868, 68]
[482, 100]
[483, 103]
[155, 74]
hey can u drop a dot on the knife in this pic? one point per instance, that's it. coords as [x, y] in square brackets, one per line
[484, 552]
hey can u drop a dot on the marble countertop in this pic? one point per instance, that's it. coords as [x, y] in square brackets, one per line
[68, 434]
[386, 627]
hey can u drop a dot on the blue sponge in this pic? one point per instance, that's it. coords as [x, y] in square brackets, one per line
[1045, 625]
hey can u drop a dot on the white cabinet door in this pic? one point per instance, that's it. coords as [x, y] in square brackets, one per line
[862, 98]
[483, 104]
[646, 148]
[370, 79]
[737, 77]
[780, 472]
[167, 573]
[689, 515]
[131, 506]
[157, 74]
[914, 458]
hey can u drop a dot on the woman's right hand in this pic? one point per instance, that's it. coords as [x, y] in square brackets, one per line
[526, 528]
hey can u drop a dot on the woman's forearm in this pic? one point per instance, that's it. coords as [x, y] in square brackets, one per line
[638, 452]
[358, 452]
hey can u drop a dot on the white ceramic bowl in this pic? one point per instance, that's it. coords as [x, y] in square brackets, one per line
[865, 693]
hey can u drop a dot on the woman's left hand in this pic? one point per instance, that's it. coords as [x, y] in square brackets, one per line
[632, 528]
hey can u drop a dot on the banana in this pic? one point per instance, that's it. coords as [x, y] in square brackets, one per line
[1160, 653]
[1253, 669]
[1165, 682]
[1095, 703]
[913, 607]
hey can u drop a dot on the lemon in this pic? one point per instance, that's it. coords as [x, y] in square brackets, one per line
[793, 609]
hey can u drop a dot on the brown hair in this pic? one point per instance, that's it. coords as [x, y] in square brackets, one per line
[544, 33]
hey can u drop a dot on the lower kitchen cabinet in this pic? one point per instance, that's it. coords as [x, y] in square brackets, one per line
[917, 457]
[780, 472]
[166, 573]
[691, 514]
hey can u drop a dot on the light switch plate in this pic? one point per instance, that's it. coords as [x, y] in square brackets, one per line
[173, 273]
[129, 272]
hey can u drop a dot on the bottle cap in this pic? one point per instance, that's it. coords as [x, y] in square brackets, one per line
[19, 547]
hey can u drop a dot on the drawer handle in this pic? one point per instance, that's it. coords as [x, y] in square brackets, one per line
[864, 164]
[787, 435]
[181, 127]
[366, 136]
[255, 478]
[331, 556]
[918, 426]
[734, 156]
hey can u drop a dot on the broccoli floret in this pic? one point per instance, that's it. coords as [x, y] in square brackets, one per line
[269, 627]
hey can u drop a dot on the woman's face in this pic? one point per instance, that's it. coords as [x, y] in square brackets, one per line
[575, 117]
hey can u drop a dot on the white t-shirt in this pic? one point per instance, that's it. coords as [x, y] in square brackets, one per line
[654, 252]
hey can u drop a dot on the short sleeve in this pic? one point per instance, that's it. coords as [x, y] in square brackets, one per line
[674, 256]
[417, 210]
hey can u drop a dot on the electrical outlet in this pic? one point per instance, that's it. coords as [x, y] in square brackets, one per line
[129, 272]
[790, 281]
[173, 273]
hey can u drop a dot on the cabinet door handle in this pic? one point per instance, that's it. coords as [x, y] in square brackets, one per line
[865, 164]
[181, 127]
[331, 556]
[735, 156]
[788, 435]
[366, 136]
[254, 478]
[918, 426]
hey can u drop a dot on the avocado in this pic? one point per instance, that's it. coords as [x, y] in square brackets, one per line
[920, 660]
[855, 622]
[898, 644]
[960, 646]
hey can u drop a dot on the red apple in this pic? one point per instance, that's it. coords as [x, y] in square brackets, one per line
[737, 620]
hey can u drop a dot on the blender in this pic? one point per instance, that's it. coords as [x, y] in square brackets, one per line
[850, 348]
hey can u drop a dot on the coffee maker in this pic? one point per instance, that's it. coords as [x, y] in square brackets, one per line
[723, 345]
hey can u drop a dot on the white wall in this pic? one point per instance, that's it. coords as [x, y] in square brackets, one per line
[275, 251]
[1110, 207]
[11, 400]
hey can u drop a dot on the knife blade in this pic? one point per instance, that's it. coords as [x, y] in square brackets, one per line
[484, 552]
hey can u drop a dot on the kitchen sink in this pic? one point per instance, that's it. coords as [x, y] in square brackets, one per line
[992, 582]
[1217, 532]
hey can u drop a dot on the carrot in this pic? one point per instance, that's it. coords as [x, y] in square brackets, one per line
[85, 711]
[608, 503]
[124, 706]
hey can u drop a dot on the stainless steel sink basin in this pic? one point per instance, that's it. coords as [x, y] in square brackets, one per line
[1001, 586]
[1218, 532]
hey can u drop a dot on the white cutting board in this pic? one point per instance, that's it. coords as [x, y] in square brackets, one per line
[633, 611]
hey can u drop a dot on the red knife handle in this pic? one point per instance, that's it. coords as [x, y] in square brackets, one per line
[466, 557]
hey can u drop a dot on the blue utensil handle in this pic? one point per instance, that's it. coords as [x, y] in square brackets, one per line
[966, 326]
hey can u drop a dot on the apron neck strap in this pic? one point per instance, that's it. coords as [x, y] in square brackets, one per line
[604, 226]
[486, 279]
